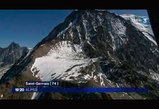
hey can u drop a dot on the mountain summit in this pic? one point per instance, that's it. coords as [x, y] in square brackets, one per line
[9, 55]
[91, 48]
[13, 52]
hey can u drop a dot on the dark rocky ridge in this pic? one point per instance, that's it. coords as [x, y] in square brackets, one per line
[12, 53]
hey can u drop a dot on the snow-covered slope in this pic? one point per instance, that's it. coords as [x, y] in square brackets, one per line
[142, 23]
[4, 69]
[67, 60]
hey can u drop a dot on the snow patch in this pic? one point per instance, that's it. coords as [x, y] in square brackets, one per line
[119, 28]
[145, 29]
[42, 45]
[34, 96]
[60, 33]
[85, 23]
[60, 63]
[154, 75]
[113, 41]
[1, 96]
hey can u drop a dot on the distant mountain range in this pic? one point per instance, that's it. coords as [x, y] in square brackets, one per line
[9, 55]
[91, 48]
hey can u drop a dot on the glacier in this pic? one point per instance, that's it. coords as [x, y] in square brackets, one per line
[57, 63]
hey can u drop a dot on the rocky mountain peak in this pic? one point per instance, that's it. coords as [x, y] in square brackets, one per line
[92, 48]
[12, 53]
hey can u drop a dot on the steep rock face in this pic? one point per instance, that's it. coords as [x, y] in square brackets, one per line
[9, 55]
[12, 53]
[92, 49]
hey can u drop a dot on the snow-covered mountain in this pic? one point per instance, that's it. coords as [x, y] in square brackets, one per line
[9, 55]
[135, 18]
[91, 48]
[142, 23]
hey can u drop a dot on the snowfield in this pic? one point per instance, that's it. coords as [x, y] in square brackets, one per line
[145, 29]
[63, 62]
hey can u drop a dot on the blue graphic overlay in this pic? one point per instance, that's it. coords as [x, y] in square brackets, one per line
[79, 90]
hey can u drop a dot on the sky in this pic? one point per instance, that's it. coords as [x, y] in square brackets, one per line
[28, 27]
